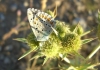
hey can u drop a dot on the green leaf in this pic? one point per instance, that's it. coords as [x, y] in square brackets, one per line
[87, 40]
[26, 53]
[79, 55]
[84, 66]
[85, 33]
[21, 40]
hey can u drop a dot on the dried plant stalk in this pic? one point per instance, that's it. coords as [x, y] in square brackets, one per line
[43, 4]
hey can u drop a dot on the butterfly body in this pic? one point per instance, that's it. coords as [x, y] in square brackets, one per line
[41, 23]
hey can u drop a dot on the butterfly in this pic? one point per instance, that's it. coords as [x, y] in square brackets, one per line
[42, 24]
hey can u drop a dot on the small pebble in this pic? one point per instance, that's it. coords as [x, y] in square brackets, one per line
[8, 48]
[1, 57]
[2, 17]
[0, 48]
[7, 60]
[13, 7]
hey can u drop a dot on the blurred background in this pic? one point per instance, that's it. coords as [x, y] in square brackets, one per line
[14, 24]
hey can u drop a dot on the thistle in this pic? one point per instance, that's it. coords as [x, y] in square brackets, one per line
[65, 42]
[50, 49]
[62, 29]
[70, 43]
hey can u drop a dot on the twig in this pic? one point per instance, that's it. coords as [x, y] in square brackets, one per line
[43, 4]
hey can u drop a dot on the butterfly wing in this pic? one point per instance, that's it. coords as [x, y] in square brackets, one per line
[41, 24]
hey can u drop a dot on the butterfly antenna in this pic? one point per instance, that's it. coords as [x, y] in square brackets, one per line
[55, 31]
[55, 11]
